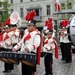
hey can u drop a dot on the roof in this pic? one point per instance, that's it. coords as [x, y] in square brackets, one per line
[68, 11]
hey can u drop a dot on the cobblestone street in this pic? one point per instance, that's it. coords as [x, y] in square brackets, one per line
[59, 67]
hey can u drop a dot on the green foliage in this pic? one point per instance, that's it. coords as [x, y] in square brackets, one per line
[5, 10]
[68, 4]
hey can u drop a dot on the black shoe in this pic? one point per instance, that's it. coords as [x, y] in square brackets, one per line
[68, 62]
[62, 59]
[4, 71]
[8, 71]
[45, 74]
[48, 74]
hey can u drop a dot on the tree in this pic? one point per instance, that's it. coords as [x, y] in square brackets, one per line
[4, 10]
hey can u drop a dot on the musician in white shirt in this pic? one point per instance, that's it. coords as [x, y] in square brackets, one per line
[48, 48]
[6, 44]
[67, 46]
[29, 43]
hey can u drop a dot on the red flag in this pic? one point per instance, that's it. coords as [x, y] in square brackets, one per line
[57, 5]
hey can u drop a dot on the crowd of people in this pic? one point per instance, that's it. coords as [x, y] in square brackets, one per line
[32, 41]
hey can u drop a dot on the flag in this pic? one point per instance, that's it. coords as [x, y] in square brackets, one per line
[57, 5]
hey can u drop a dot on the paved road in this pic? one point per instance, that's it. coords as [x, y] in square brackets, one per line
[59, 67]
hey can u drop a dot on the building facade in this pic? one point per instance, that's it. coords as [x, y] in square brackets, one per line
[43, 8]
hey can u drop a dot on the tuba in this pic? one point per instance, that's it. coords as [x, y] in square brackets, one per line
[15, 19]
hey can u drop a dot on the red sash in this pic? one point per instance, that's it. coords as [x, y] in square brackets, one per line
[27, 37]
[6, 36]
[46, 42]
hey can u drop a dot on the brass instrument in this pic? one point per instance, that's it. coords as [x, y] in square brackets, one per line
[15, 19]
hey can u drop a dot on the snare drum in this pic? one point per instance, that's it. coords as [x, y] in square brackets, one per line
[4, 56]
[0, 55]
[13, 57]
[28, 58]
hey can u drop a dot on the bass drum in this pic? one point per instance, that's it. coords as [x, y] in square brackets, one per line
[71, 30]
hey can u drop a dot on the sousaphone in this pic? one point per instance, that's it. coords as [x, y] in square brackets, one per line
[15, 19]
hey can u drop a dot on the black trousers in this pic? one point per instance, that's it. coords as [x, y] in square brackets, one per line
[63, 51]
[8, 66]
[48, 63]
[27, 70]
[68, 52]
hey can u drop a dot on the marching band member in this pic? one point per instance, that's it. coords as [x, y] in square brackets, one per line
[66, 43]
[15, 21]
[62, 45]
[29, 43]
[67, 46]
[6, 43]
[49, 46]
[16, 35]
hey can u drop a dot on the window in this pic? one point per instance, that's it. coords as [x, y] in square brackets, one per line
[21, 12]
[21, 0]
[62, 6]
[48, 10]
[69, 5]
[11, 1]
[37, 12]
[11, 10]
